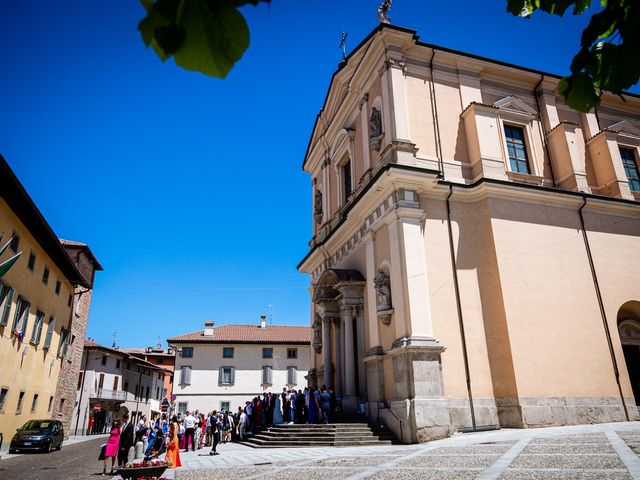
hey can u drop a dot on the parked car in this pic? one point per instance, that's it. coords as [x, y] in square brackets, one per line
[38, 435]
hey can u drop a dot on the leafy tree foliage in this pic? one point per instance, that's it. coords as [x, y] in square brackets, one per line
[207, 36]
[210, 36]
[609, 57]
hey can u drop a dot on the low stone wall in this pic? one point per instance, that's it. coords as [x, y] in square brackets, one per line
[528, 412]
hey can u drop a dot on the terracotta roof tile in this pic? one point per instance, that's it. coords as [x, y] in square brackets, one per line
[249, 334]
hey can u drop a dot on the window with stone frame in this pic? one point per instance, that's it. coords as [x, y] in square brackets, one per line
[15, 242]
[227, 352]
[267, 375]
[37, 328]
[630, 164]
[517, 149]
[267, 352]
[3, 396]
[292, 376]
[226, 376]
[346, 180]
[292, 353]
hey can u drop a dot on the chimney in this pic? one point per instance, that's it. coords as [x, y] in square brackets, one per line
[208, 328]
[263, 321]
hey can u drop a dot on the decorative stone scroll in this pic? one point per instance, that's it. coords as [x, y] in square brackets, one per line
[375, 129]
[384, 307]
[317, 207]
[317, 333]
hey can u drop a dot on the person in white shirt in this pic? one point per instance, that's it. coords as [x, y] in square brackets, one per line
[244, 419]
[189, 432]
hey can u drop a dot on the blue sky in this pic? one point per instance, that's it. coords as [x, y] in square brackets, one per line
[189, 189]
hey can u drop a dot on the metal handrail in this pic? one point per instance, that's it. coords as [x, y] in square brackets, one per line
[400, 421]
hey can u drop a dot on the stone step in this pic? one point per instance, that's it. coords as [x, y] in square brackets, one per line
[258, 443]
[312, 438]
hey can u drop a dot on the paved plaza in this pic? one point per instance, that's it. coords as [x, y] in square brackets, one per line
[584, 452]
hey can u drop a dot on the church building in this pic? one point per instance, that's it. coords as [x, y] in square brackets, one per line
[474, 261]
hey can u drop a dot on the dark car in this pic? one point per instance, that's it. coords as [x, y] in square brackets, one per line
[38, 435]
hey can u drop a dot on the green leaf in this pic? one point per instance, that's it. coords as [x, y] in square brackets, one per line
[4, 247]
[169, 38]
[7, 264]
[580, 6]
[214, 41]
[578, 92]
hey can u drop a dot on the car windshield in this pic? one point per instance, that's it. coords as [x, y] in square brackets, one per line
[37, 425]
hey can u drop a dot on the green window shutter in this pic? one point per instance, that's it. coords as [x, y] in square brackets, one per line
[63, 341]
[6, 297]
[37, 328]
[50, 329]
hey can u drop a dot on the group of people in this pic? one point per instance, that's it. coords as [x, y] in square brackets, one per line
[311, 405]
[196, 430]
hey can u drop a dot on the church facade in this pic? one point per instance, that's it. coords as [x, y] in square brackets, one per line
[474, 260]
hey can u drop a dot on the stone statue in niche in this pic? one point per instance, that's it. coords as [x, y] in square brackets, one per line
[317, 206]
[317, 333]
[375, 129]
[382, 284]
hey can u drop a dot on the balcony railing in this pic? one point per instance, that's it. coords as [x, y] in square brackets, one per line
[102, 394]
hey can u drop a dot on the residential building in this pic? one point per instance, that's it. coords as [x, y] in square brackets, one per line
[161, 357]
[474, 254]
[38, 329]
[111, 383]
[220, 368]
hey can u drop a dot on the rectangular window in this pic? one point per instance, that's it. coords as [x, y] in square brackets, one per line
[182, 408]
[115, 383]
[226, 376]
[50, 405]
[34, 403]
[118, 363]
[630, 165]
[347, 187]
[20, 400]
[22, 316]
[292, 375]
[50, 329]
[224, 406]
[37, 328]
[267, 353]
[61, 406]
[45, 276]
[6, 297]
[227, 352]
[104, 360]
[31, 264]
[69, 301]
[64, 343]
[185, 376]
[101, 381]
[15, 242]
[292, 353]
[187, 352]
[267, 375]
[58, 284]
[3, 396]
[517, 149]
[160, 360]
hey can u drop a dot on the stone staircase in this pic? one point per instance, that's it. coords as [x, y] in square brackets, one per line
[331, 435]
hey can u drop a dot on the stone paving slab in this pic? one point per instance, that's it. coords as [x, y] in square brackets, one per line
[450, 461]
[563, 475]
[583, 449]
[584, 452]
[403, 474]
[603, 462]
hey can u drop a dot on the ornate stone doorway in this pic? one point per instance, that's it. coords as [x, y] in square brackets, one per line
[338, 309]
[629, 330]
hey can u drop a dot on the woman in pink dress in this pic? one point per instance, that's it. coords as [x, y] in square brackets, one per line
[112, 446]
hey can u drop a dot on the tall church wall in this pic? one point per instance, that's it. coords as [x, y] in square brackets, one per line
[552, 316]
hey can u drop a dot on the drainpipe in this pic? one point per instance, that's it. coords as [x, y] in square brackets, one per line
[456, 288]
[434, 113]
[544, 136]
[601, 305]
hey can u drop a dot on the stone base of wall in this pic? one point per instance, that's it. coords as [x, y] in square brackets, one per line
[530, 412]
